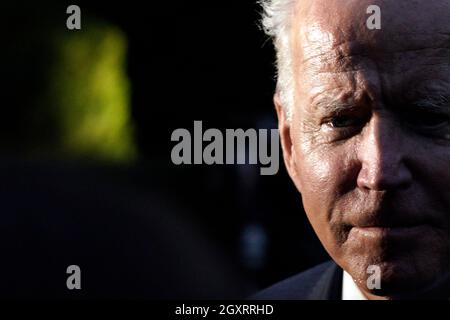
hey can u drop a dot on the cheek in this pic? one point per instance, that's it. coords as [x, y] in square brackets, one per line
[434, 170]
[429, 164]
[323, 176]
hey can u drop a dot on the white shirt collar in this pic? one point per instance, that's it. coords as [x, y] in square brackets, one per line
[350, 290]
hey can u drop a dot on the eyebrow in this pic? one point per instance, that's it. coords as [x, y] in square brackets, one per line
[334, 105]
[438, 102]
[432, 103]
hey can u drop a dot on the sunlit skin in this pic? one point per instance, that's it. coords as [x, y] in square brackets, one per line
[368, 145]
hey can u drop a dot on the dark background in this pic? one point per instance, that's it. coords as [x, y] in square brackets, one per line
[146, 228]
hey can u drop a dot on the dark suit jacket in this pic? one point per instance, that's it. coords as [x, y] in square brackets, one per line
[323, 282]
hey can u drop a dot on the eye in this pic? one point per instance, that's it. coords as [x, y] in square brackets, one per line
[427, 120]
[345, 121]
[346, 124]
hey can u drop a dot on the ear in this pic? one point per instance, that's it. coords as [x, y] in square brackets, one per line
[284, 127]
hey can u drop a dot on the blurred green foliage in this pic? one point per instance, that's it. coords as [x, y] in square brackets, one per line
[90, 93]
[67, 93]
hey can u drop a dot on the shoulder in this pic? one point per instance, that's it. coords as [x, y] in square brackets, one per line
[321, 282]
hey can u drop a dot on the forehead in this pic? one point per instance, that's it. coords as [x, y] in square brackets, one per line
[346, 19]
[331, 43]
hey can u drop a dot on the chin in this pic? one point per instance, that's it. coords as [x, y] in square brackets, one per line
[410, 264]
[399, 278]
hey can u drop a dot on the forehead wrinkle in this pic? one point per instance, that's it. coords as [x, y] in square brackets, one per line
[325, 53]
[361, 88]
[313, 43]
[349, 55]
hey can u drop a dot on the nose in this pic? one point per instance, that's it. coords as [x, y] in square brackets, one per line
[382, 154]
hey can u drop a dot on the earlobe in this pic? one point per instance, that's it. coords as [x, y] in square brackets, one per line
[284, 128]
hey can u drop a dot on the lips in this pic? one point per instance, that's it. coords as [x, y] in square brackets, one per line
[388, 224]
[387, 219]
[390, 232]
[401, 224]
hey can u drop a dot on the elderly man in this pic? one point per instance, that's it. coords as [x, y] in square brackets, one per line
[364, 119]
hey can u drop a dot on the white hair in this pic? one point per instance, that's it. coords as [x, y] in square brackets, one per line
[276, 22]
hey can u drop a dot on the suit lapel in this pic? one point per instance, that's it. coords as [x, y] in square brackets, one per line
[329, 285]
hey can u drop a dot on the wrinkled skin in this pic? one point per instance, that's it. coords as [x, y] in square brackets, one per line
[368, 145]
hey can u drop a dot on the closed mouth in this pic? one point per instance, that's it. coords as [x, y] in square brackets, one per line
[391, 231]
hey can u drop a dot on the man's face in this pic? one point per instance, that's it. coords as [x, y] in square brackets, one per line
[368, 145]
